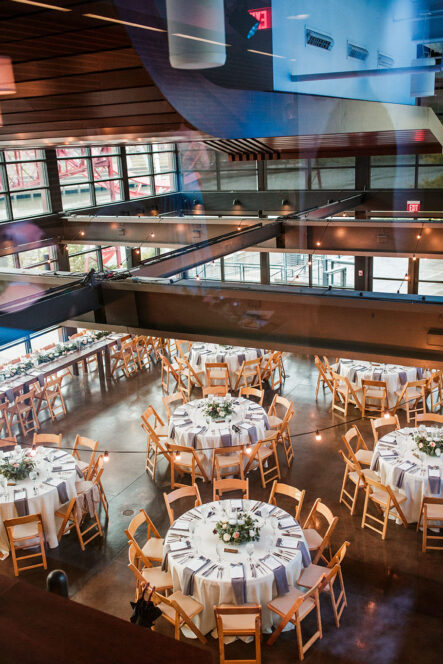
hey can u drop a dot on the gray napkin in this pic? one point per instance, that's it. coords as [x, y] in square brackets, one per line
[10, 395]
[21, 504]
[241, 358]
[434, 482]
[419, 373]
[377, 374]
[226, 439]
[61, 490]
[41, 380]
[399, 475]
[403, 377]
[78, 471]
[259, 352]
[281, 580]
[220, 357]
[239, 588]
[188, 578]
[305, 555]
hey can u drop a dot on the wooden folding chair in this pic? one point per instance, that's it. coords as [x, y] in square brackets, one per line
[260, 457]
[248, 374]
[228, 462]
[94, 477]
[311, 575]
[374, 391]
[154, 576]
[218, 373]
[142, 349]
[69, 519]
[87, 444]
[26, 532]
[277, 371]
[216, 391]
[249, 392]
[179, 610]
[317, 543]
[124, 359]
[181, 353]
[385, 421]
[4, 419]
[281, 489]
[431, 515]
[169, 371]
[153, 423]
[282, 425]
[45, 439]
[361, 451]
[152, 549]
[434, 391]
[412, 398]
[324, 380]
[178, 494]
[48, 396]
[227, 485]
[173, 401]
[266, 367]
[428, 417]
[8, 444]
[344, 394]
[23, 409]
[387, 501]
[294, 607]
[352, 474]
[238, 621]
[189, 377]
[186, 460]
[156, 447]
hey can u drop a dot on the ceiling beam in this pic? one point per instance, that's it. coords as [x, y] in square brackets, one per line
[330, 209]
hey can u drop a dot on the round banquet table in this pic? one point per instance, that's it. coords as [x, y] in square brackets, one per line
[234, 356]
[393, 456]
[40, 497]
[213, 584]
[395, 376]
[189, 426]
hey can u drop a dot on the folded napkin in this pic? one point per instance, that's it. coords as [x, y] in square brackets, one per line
[61, 489]
[377, 374]
[434, 479]
[220, 357]
[226, 437]
[279, 573]
[173, 546]
[188, 574]
[259, 352]
[180, 524]
[78, 471]
[119, 344]
[402, 377]
[191, 435]
[399, 472]
[241, 358]
[389, 439]
[238, 583]
[236, 504]
[287, 522]
[179, 423]
[21, 502]
[10, 395]
[419, 373]
[355, 371]
[252, 431]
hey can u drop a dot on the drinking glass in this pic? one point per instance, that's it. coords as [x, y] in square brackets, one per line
[250, 549]
[219, 549]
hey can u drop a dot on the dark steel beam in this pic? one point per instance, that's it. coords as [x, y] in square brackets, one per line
[27, 315]
[388, 328]
[330, 209]
[196, 254]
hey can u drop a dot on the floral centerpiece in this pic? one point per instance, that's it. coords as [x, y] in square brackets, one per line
[219, 409]
[239, 530]
[17, 467]
[16, 369]
[425, 442]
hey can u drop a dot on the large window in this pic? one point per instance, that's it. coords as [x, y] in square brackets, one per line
[163, 160]
[243, 266]
[335, 271]
[285, 268]
[83, 257]
[430, 276]
[333, 173]
[198, 167]
[114, 258]
[287, 174]
[43, 258]
[430, 171]
[210, 271]
[140, 170]
[389, 274]
[393, 172]
[237, 175]
[89, 176]
[23, 184]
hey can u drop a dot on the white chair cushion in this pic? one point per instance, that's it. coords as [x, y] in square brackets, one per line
[154, 548]
[157, 578]
[284, 603]
[313, 539]
[364, 456]
[189, 605]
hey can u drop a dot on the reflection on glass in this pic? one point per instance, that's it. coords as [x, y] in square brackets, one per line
[243, 266]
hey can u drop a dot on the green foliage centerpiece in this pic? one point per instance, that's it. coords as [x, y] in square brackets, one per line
[238, 529]
[219, 409]
[17, 467]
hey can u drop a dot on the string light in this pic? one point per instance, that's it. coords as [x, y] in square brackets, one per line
[178, 456]
[82, 233]
[106, 456]
[248, 449]
[419, 236]
[152, 234]
[387, 415]
[414, 257]
[317, 435]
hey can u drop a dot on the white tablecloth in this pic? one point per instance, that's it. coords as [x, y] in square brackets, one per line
[211, 590]
[46, 499]
[415, 481]
[205, 435]
[234, 356]
[395, 376]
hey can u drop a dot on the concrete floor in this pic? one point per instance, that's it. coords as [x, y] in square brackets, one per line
[394, 591]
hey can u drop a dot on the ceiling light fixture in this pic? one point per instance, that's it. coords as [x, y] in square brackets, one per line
[116, 20]
[42, 4]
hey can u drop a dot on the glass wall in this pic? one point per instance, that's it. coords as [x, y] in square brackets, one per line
[237, 175]
[287, 174]
[198, 167]
[333, 173]
[83, 257]
[292, 269]
[243, 266]
[430, 276]
[44, 257]
[393, 172]
[336, 271]
[89, 176]
[389, 274]
[23, 184]
[430, 171]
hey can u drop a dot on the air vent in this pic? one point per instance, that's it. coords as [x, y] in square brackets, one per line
[384, 61]
[357, 52]
[318, 39]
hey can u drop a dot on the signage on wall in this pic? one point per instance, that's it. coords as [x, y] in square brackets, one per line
[413, 206]
[264, 16]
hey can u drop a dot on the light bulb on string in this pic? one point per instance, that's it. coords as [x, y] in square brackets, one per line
[248, 449]
[106, 456]
[317, 435]
[387, 415]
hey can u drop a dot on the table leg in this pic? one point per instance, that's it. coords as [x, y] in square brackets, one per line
[101, 371]
[85, 366]
[107, 362]
[75, 368]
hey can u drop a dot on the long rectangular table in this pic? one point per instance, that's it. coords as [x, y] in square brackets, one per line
[100, 348]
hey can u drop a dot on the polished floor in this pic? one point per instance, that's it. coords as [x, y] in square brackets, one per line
[394, 591]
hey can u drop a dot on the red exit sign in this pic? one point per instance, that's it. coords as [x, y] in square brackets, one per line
[264, 16]
[413, 206]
